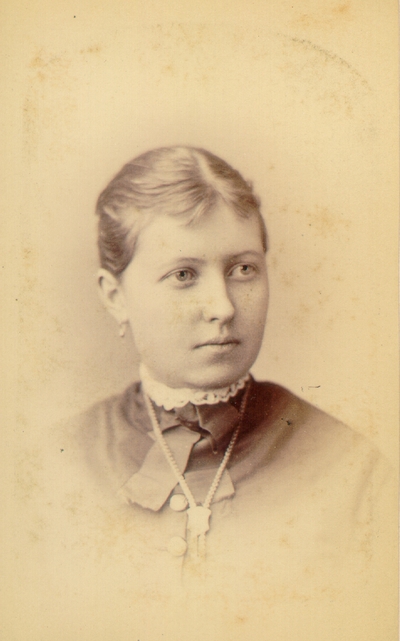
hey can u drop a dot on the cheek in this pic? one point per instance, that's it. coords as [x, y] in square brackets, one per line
[144, 316]
[178, 309]
[253, 303]
[264, 300]
[159, 319]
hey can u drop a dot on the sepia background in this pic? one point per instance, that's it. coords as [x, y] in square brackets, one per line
[300, 97]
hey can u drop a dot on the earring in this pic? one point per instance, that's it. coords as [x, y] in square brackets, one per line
[122, 327]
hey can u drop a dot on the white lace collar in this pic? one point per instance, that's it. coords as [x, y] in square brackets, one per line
[169, 397]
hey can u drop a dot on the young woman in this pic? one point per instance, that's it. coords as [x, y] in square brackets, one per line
[261, 506]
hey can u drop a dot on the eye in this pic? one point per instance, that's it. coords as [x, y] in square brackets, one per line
[182, 276]
[243, 271]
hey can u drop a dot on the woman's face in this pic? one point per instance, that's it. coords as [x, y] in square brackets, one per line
[196, 298]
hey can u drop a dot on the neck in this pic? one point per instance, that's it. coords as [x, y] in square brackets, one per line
[170, 397]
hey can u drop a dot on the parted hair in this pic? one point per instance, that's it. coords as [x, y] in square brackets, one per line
[172, 181]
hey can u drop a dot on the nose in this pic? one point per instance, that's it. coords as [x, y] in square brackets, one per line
[217, 304]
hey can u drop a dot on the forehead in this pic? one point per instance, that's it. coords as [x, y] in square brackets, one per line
[219, 233]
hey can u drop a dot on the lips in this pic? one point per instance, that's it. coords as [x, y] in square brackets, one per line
[219, 342]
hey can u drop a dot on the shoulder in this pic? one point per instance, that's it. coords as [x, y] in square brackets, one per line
[276, 403]
[121, 414]
[108, 439]
[325, 467]
[305, 435]
[123, 406]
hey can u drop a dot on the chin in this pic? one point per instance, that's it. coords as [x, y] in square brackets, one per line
[216, 379]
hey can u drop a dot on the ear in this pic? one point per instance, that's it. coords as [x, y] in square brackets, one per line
[112, 295]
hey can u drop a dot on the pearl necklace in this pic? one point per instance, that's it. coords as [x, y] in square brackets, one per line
[198, 515]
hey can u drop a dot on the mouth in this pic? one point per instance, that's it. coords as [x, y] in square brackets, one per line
[219, 343]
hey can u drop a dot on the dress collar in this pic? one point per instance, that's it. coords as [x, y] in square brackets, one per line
[183, 429]
[172, 398]
[214, 422]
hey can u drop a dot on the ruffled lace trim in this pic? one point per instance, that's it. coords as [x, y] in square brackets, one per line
[169, 397]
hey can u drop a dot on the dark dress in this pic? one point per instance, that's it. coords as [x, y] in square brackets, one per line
[297, 538]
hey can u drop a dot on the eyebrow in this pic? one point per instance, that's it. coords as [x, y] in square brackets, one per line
[247, 252]
[182, 259]
[200, 261]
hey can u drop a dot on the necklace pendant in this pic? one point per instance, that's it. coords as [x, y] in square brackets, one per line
[198, 520]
